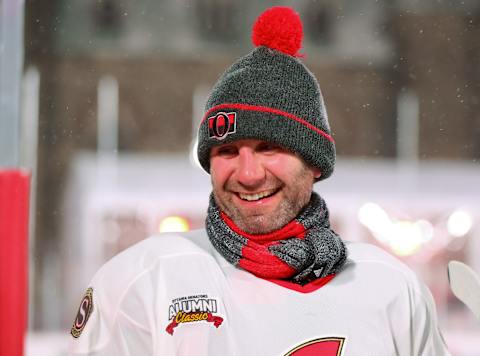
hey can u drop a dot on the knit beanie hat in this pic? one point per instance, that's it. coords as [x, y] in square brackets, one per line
[271, 96]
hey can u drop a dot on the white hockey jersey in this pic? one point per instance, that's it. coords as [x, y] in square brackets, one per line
[175, 295]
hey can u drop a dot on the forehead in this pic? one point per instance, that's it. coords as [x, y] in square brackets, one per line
[255, 144]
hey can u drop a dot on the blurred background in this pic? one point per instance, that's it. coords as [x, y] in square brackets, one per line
[112, 91]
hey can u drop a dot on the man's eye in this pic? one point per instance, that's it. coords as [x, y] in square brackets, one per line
[268, 147]
[226, 151]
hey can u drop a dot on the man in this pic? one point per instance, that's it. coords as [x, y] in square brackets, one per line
[267, 276]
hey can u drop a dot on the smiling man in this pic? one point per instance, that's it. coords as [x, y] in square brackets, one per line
[268, 275]
[261, 186]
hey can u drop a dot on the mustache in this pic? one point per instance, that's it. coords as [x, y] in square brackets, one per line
[270, 184]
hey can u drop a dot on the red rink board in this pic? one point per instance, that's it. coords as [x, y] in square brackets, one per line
[14, 207]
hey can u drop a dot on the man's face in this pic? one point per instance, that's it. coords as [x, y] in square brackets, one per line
[260, 185]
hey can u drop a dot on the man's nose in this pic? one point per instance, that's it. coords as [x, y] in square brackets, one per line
[250, 170]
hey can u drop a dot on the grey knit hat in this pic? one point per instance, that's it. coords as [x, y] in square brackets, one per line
[270, 95]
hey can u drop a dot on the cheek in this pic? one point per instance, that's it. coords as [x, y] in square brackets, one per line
[286, 169]
[219, 172]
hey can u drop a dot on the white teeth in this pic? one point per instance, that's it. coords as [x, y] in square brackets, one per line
[253, 197]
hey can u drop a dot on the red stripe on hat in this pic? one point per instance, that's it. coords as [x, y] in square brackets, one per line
[271, 111]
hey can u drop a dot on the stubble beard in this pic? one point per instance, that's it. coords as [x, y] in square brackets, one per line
[255, 221]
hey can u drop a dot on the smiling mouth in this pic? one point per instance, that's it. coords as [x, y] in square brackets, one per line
[257, 196]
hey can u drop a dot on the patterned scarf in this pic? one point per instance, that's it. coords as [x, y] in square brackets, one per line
[303, 250]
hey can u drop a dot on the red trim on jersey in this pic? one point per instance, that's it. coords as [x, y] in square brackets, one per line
[269, 110]
[307, 288]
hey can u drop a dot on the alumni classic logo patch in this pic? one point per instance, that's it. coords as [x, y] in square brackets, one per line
[222, 124]
[192, 309]
[84, 311]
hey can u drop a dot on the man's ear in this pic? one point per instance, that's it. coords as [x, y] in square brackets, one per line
[317, 173]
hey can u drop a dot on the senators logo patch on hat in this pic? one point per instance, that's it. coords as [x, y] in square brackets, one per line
[84, 311]
[222, 124]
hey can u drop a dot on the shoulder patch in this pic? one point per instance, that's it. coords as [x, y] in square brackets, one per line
[195, 308]
[84, 311]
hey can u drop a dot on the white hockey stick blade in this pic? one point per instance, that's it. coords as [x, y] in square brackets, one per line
[465, 285]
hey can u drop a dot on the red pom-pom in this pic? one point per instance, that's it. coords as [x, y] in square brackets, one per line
[279, 28]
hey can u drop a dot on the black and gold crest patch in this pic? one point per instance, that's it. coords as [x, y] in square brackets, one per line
[84, 311]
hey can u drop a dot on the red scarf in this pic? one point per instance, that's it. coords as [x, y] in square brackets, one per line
[257, 258]
[301, 251]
